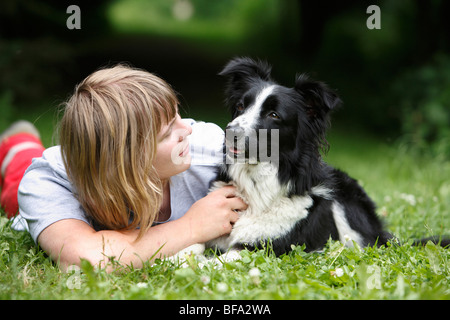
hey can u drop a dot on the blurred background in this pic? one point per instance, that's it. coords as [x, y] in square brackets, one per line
[394, 81]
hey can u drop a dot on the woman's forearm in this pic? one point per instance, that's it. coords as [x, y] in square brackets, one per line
[69, 241]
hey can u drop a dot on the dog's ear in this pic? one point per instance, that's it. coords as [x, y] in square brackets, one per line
[242, 73]
[242, 68]
[319, 99]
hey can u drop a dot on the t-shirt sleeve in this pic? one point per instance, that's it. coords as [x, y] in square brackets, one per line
[44, 198]
[206, 144]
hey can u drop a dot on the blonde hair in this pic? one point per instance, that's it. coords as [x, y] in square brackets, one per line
[108, 137]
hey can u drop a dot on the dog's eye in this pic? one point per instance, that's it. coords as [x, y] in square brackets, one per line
[273, 115]
[240, 107]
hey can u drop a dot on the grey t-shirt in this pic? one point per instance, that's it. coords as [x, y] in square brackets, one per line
[47, 196]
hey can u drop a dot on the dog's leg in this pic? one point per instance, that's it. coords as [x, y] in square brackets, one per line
[181, 256]
[195, 249]
[230, 256]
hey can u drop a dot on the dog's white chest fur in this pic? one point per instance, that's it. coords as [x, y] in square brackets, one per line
[270, 212]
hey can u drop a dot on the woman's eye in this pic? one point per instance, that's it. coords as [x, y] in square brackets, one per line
[274, 115]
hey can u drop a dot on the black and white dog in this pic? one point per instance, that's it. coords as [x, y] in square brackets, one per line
[293, 196]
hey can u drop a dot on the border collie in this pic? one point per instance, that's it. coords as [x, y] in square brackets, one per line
[293, 196]
[272, 157]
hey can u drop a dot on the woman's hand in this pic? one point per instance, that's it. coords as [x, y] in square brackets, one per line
[214, 215]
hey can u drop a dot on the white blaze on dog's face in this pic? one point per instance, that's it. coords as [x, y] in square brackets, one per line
[248, 119]
[243, 133]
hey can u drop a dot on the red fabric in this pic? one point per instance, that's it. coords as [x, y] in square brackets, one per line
[16, 168]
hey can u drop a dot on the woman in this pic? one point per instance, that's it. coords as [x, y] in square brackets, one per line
[123, 182]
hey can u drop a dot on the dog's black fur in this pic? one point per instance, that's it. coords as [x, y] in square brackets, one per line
[301, 114]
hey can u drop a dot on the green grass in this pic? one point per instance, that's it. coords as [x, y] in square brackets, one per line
[412, 194]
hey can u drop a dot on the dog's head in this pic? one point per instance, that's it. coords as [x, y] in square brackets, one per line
[298, 116]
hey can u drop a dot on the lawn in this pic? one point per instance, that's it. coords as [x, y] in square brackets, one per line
[413, 197]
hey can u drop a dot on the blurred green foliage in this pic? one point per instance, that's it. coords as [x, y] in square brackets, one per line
[31, 68]
[423, 96]
[195, 20]
[5, 107]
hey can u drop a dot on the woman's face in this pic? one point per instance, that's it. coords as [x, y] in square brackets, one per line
[172, 155]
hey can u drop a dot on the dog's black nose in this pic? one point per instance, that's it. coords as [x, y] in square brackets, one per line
[234, 132]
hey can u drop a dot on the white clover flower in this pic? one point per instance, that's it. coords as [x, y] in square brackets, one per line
[142, 284]
[254, 273]
[338, 272]
[205, 279]
[222, 287]
[410, 198]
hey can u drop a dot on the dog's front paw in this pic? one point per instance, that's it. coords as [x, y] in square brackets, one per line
[183, 255]
[195, 249]
[232, 255]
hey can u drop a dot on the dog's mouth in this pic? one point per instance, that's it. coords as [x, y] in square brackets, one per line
[234, 150]
[235, 147]
[235, 140]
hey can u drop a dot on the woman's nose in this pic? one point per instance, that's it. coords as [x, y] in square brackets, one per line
[189, 129]
[185, 130]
